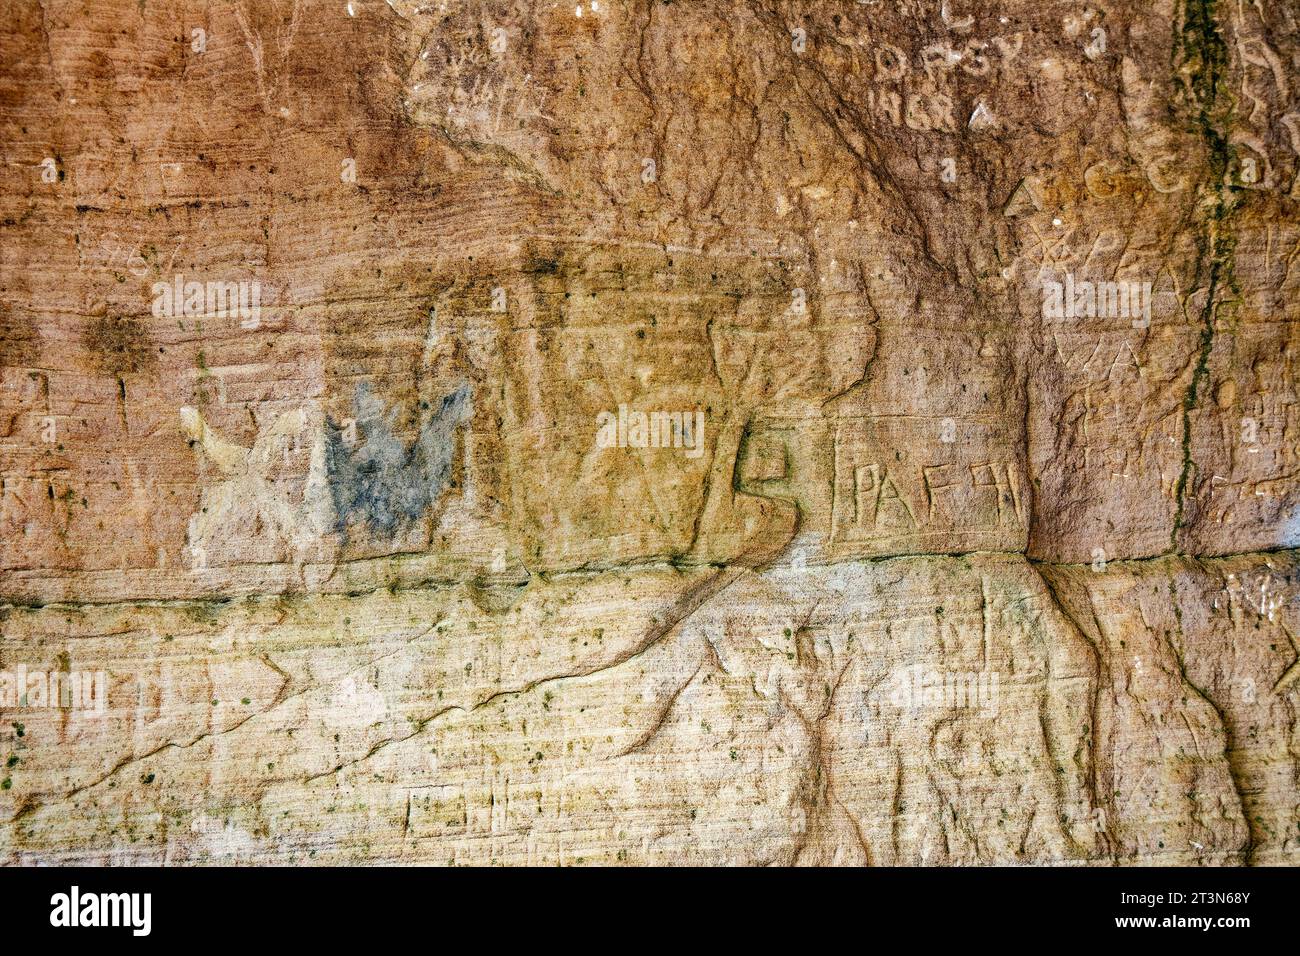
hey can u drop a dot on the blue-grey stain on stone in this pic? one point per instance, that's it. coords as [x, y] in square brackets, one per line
[382, 481]
[1291, 532]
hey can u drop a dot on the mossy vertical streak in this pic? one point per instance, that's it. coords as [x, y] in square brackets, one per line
[1201, 60]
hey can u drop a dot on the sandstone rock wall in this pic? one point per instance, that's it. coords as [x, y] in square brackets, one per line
[982, 549]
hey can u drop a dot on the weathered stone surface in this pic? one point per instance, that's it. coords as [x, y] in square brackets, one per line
[662, 716]
[949, 571]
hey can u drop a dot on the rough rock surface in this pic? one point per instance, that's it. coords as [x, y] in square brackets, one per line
[983, 550]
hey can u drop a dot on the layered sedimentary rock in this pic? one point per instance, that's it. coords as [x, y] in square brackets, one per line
[649, 432]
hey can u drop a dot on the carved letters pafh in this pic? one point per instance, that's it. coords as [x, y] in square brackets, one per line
[881, 495]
